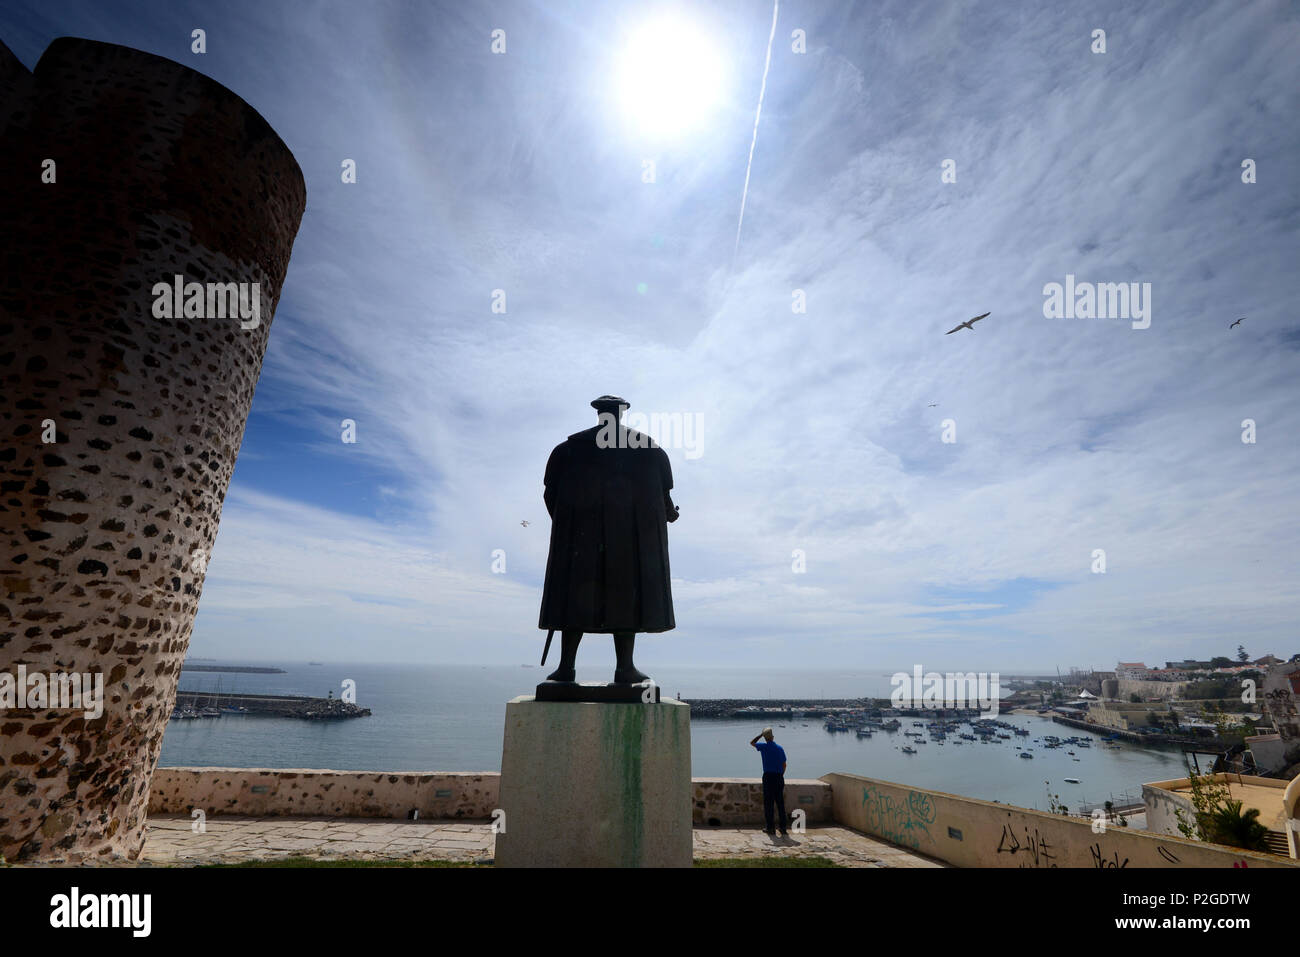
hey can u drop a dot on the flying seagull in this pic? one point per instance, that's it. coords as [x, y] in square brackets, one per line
[968, 324]
[524, 524]
[1238, 322]
[933, 404]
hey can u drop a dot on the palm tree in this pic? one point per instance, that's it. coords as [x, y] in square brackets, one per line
[1230, 825]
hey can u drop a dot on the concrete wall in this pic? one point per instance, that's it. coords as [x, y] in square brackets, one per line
[1268, 750]
[971, 833]
[1163, 806]
[262, 792]
[107, 527]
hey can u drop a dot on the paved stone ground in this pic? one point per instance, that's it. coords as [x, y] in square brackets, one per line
[171, 841]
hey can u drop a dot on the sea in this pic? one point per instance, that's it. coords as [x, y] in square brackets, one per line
[451, 718]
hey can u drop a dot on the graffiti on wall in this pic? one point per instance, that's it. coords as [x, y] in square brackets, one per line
[1100, 860]
[1035, 847]
[902, 821]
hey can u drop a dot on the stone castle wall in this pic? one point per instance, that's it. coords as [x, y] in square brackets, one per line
[1163, 690]
[158, 171]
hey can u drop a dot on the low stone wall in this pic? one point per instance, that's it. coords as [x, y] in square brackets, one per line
[738, 802]
[967, 832]
[269, 792]
[263, 792]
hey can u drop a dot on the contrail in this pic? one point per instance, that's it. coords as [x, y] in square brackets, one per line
[776, 4]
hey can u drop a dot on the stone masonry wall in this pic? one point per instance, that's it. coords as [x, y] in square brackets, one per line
[263, 792]
[738, 802]
[105, 532]
[473, 795]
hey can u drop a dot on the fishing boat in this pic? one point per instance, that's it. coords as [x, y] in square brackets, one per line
[1071, 780]
[862, 733]
[1026, 754]
[909, 750]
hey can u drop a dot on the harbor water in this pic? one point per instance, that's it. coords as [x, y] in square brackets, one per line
[451, 717]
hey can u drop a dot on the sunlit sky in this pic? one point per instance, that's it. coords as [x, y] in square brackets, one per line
[525, 172]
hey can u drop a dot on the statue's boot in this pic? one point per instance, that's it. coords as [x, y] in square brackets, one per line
[568, 657]
[625, 672]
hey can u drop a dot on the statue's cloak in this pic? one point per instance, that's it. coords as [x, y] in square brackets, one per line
[608, 565]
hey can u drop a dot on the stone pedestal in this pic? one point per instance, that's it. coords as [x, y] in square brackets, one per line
[587, 784]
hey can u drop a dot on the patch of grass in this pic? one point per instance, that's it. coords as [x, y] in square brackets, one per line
[811, 861]
[342, 862]
[296, 862]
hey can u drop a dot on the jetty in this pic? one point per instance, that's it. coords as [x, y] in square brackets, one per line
[269, 705]
[1145, 737]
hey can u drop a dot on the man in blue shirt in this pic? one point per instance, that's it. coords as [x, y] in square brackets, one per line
[773, 778]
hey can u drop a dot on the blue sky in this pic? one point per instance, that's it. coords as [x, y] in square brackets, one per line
[524, 172]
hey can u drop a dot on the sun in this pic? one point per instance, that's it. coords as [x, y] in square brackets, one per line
[670, 77]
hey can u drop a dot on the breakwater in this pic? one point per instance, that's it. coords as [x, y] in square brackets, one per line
[773, 708]
[270, 705]
[236, 669]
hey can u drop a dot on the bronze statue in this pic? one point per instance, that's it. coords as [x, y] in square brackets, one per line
[607, 494]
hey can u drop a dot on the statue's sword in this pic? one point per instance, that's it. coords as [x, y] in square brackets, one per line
[545, 651]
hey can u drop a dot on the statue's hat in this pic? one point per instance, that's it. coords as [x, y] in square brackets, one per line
[609, 403]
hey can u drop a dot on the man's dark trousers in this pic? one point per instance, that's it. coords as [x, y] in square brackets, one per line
[774, 793]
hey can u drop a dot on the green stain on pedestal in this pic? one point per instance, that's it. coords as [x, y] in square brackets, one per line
[624, 732]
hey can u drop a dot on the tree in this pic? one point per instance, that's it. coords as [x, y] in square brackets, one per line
[1212, 688]
[1209, 794]
[1241, 654]
[1054, 803]
[1135, 698]
[1220, 662]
